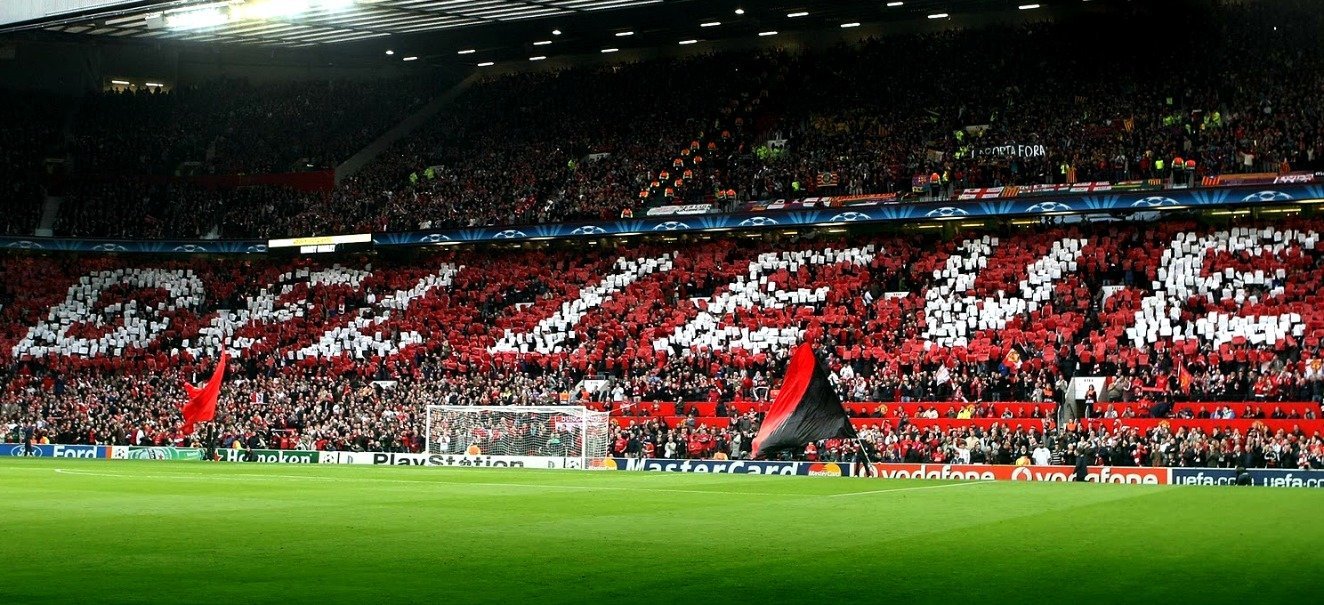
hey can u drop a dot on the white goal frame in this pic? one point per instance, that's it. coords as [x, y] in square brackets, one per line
[593, 434]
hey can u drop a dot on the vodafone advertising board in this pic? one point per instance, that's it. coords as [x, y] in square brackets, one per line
[973, 472]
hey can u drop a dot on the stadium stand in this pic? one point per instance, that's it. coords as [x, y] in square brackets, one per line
[505, 300]
[233, 126]
[134, 208]
[1207, 338]
[135, 152]
[718, 129]
[1203, 335]
[31, 128]
[773, 125]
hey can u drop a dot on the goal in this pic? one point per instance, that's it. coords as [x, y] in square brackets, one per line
[533, 436]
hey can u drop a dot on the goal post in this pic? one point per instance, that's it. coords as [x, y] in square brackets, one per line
[560, 436]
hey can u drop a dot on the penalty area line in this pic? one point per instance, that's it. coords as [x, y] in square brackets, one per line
[904, 489]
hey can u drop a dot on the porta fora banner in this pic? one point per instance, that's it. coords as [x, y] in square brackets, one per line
[1012, 150]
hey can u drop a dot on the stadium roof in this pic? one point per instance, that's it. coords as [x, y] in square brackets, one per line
[488, 24]
[495, 32]
[302, 22]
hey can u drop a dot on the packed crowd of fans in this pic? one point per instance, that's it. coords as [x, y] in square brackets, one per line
[515, 149]
[1047, 103]
[337, 357]
[31, 129]
[121, 159]
[1101, 111]
[233, 126]
[534, 148]
[131, 208]
[1020, 444]
[344, 414]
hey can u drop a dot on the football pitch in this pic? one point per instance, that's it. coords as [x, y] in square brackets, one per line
[188, 532]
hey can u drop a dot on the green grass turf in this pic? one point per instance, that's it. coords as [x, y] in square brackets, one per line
[190, 532]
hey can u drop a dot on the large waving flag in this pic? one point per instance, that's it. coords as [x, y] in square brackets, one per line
[201, 405]
[807, 408]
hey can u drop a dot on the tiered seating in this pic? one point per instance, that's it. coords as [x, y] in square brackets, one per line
[740, 305]
[233, 126]
[708, 323]
[1241, 416]
[30, 126]
[754, 125]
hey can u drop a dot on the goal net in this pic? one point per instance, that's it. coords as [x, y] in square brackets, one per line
[533, 436]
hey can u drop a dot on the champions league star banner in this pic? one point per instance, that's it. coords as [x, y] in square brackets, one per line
[151, 246]
[1119, 199]
[881, 209]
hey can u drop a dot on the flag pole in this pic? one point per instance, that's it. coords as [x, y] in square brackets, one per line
[869, 463]
[211, 441]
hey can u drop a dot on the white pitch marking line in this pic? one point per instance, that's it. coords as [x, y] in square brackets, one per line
[904, 489]
[422, 481]
[247, 476]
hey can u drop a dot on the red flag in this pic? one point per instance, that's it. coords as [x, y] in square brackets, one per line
[201, 405]
[1012, 361]
[1184, 377]
[807, 408]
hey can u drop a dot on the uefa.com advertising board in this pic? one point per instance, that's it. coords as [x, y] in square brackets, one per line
[950, 472]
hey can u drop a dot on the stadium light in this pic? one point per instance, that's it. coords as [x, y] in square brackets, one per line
[486, 64]
[197, 19]
[688, 42]
[389, 52]
[740, 11]
[766, 34]
[538, 58]
[894, 4]
[556, 32]
[542, 43]
[797, 14]
[609, 50]
[939, 16]
[153, 84]
[1026, 7]
[624, 34]
[220, 13]
[710, 24]
[411, 58]
[597, 5]
[270, 9]
[121, 82]
[850, 25]
[467, 51]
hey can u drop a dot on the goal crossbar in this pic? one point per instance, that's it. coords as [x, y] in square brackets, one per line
[559, 435]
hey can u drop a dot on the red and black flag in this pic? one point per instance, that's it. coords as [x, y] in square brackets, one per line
[807, 409]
